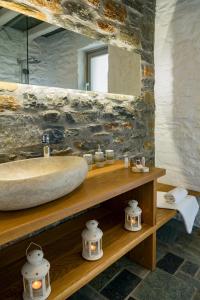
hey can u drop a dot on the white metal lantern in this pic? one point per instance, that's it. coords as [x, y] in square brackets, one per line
[35, 274]
[133, 216]
[92, 241]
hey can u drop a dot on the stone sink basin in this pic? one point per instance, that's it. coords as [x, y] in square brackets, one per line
[32, 182]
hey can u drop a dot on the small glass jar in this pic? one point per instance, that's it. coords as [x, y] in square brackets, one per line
[133, 216]
[89, 160]
[99, 159]
[110, 157]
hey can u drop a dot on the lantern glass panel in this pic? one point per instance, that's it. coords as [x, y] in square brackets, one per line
[132, 220]
[47, 281]
[94, 248]
[26, 287]
[100, 244]
[37, 288]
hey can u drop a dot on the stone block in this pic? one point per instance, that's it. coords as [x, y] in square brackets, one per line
[78, 10]
[6, 157]
[95, 128]
[81, 104]
[69, 118]
[115, 11]
[148, 145]
[112, 126]
[135, 4]
[95, 3]
[53, 5]
[56, 134]
[51, 115]
[105, 26]
[9, 103]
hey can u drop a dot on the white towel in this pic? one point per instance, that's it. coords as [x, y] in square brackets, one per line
[188, 208]
[176, 195]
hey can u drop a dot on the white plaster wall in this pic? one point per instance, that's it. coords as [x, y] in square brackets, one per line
[62, 58]
[177, 91]
[12, 47]
[57, 58]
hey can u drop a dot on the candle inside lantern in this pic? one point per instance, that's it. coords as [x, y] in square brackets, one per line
[93, 247]
[92, 241]
[37, 284]
[133, 216]
[133, 221]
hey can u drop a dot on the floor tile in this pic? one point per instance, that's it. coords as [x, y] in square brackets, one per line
[121, 286]
[190, 268]
[101, 280]
[130, 265]
[160, 285]
[197, 276]
[161, 251]
[87, 293]
[170, 232]
[170, 263]
[191, 281]
[197, 296]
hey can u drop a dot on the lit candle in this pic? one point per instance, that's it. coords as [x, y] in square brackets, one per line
[37, 284]
[93, 247]
[133, 221]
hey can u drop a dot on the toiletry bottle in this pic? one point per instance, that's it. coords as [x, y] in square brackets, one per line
[46, 147]
[99, 158]
[126, 162]
[143, 161]
[46, 151]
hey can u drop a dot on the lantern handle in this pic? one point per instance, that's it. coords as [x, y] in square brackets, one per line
[31, 244]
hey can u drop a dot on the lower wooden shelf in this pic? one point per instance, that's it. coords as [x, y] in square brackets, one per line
[62, 247]
[163, 216]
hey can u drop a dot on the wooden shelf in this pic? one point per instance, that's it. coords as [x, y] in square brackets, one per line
[110, 187]
[62, 247]
[100, 185]
[163, 216]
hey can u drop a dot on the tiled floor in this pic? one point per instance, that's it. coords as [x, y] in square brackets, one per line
[177, 276]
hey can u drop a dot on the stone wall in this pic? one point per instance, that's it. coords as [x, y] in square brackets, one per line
[78, 121]
[177, 60]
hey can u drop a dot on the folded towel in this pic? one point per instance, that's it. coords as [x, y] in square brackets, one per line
[176, 195]
[188, 208]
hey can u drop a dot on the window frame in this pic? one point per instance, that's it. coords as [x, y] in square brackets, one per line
[89, 55]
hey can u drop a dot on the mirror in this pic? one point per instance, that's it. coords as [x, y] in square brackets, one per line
[38, 53]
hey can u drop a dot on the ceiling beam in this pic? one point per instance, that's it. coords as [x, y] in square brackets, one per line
[40, 30]
[7, 15]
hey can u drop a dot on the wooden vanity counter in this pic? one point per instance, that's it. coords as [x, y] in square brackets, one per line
[109, 189]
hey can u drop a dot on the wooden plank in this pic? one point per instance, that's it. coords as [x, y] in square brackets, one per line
[62, 247]
[145, 253]
[100, 185]
[146, 195]
[166, 188]
[163, 216]
[69, 271]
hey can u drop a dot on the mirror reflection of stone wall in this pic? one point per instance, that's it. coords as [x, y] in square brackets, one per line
[57, 57]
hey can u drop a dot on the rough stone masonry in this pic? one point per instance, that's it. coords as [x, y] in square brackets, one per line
[78, 121]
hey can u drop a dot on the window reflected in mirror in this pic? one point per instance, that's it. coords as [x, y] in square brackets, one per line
[38, 53]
